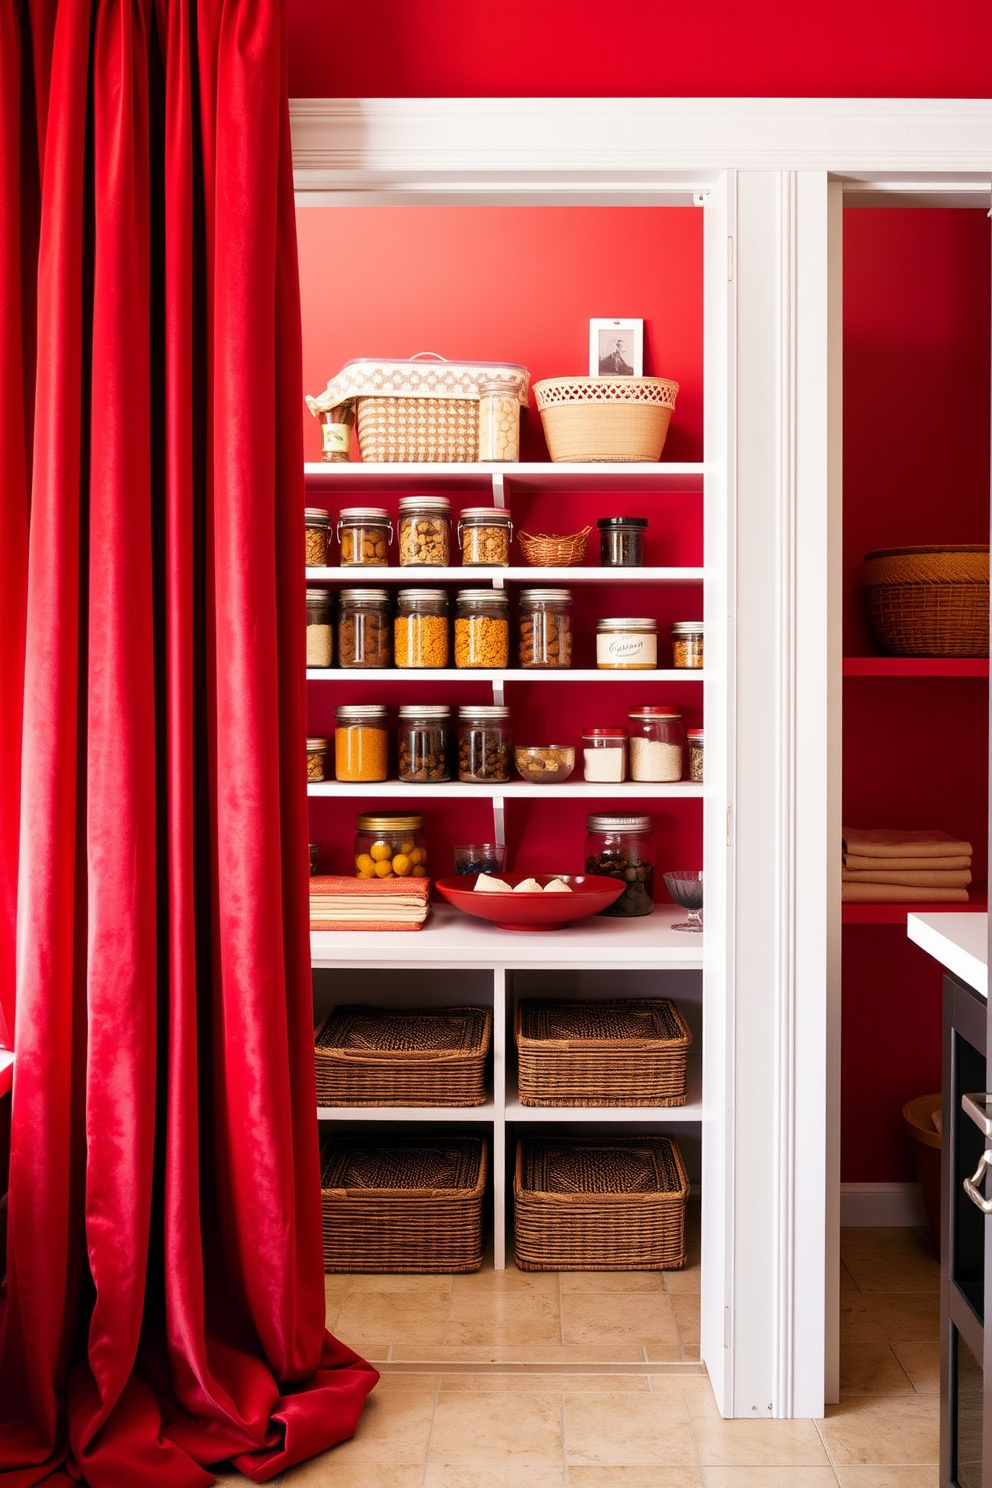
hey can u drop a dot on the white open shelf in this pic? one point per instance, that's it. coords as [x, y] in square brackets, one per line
[484, 479]
[367, 575]
[408, 1113]
[514, 674]
[517, 790]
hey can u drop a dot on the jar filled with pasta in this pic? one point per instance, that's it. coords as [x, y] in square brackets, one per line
[360, 741]
[420, 631]
[482, 628]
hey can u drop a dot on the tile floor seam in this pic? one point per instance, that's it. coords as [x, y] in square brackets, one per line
[430, 1434]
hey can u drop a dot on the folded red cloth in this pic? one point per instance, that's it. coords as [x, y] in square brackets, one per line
[339, 903]
[333, 883]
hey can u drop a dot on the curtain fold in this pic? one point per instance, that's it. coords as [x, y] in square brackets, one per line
[164, 1305]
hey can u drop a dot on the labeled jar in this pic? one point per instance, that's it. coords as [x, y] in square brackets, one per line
[694, 738]
[484, 744]
[423, 743]
[320, 631]
[335, 432]
[360, 741]
[687, 643]
[621, 541]
[482, 628]
[420, 630]
[484, 534]
[657, 741]
[318, 530]
[627, 644]
[364, 533]
[425, 522]
[545, 628]
[499, 420]
[390, 847]
[317, 759]
[604, 754]
[365, 632]
[623, 847]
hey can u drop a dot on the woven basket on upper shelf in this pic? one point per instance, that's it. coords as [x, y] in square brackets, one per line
[369, 1056]
[545, 550]
[403, 1205]
[606, 418]
[599, 1204]
[929, 601]
[618, 1052]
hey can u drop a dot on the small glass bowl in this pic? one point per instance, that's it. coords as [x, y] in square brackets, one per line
[479, 857]
[544, 762]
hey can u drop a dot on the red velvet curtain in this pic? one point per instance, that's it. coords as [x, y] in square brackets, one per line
[164, 1305]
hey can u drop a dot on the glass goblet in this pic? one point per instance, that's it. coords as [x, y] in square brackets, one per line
[686, 887]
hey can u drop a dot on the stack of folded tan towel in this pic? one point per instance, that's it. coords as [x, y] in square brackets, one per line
[886, 866]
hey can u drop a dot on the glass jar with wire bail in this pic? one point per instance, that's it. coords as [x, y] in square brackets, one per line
[364, 533]
[545, 628]
[423, 739]
[484, 743]
[484, 533]
[420, 630]
[482, 628]
[365, 630]
[623, 847]
[425, 526]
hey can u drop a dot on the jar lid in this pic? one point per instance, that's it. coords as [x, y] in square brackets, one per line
[316, 743]
[593, 733]
[437, 504]
[475, 596]
[316, 516]
[426, 710]
[545, 596]
[491, 516]
[363, 596]
[389, 823]
[319, 596]
[364, 514]
[345, 711]
[695, 736]
[484, 710]
[606, 523]
[506, 385]
[687, 627]
[618, 823]
[654, 713]
[642, 622]
[410, 596]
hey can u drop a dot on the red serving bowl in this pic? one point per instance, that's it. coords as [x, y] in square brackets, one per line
[590, 893]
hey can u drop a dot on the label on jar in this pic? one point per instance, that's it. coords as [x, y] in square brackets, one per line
[337, 439]
[627, 649]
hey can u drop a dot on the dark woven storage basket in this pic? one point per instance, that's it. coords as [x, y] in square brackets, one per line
[931, 601]
[620, 1052]
[369, 1056]
[599, 1204]
[403, 1205]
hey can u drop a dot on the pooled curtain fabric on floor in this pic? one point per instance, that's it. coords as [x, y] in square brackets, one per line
[164, 1305]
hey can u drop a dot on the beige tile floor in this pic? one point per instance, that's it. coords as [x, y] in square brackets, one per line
[464, 1401]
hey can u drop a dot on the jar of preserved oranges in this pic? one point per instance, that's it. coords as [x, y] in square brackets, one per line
[390, 847]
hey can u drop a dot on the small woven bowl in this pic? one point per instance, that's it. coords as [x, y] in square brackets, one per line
[545, 550]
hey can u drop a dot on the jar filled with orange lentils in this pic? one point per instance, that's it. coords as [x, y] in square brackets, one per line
[420, 630]
[360, 741]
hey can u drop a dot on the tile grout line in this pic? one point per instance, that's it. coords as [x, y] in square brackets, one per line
[430, 1434]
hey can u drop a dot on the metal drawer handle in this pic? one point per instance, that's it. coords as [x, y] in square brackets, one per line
[972, 1185]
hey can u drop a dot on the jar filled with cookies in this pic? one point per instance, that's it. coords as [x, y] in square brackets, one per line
[365, 629]
[482, 628]
[484, 533]
[420, 630]
[545, 628]
[364, 533]
[422, 740]
[425, 524]
[484, 743]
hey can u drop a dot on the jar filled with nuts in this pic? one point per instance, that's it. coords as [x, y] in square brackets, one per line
[365, 632]
[656, 744]
[360, 741]
[425, 522]
[320, 632]
[694, 738]
[364, 533]
[499, 420]
[390, 847]
[420, 630]
[623, 847]
[318, 528]
[687, 643]
[545, 628]
[482, 628]
[484, 743]
[317, 759]
[423, 743]
[484, 533]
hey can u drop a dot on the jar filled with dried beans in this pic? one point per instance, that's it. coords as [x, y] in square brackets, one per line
[425, 524]
[365, 631]
[422, 737]
[657, 741]
[318, 530]
[320, 632]
[420, 631]
[484, 533]
[484, 743]
[482, 628]
[360, 741]
[364, 533]
[545, 628]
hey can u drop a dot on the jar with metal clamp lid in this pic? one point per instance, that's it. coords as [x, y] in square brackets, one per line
[364, 533]
[425, 525]
[484, 533]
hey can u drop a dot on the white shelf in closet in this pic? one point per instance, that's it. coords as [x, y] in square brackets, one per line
[519, 790]
[363, 576]
[413, 478]
[510, 674]
[404, 1114]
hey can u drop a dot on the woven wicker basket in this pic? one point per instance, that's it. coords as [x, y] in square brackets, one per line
[623, 1052]
[403, 1205]
[599, 1204]
[368, 1056]
[606, 418]
[929, 601]
[544, 550]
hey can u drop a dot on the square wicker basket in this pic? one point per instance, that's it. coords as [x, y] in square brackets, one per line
[372, 1056]
[403, 1205]
[599, 1204]
[619, 1052]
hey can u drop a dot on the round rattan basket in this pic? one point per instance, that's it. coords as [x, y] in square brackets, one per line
[545, 550]
[606, 418]
[929, 601]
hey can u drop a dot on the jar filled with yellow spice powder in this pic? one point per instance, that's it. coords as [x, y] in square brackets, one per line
[482, 628]
[360, 741]
[420, 630]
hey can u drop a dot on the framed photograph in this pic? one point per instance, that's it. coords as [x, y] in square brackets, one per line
[616, 348]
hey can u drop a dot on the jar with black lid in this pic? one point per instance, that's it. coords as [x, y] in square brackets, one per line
[423, 742]
[621, 541]
[623, 847]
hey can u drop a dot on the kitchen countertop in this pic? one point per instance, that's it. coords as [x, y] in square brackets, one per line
[958, 941]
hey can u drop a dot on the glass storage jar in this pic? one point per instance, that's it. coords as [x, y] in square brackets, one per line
[425, 522]
[365, 632]
[360, 741]
[482, 628]
[657, 741]
[621, 541]
[423, 742]
[604, 754]
[390, 847]
[687, 643]
[420, 630]
[484, 534]
[545, 628]
[484, 743]
[623, 847]
[335, 432]
[627, 644]
[317, 759]
[320, 631]
[318, 530]
[499, 420]
[364, 533]
[695, 741]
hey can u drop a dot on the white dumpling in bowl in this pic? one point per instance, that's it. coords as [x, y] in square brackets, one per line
[529, 886]
[486, 884]
[557, 887]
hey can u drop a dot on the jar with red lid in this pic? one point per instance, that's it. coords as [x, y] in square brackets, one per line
[657, 743]
[695, 741]
[604, 754]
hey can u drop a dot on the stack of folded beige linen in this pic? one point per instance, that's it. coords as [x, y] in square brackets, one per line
[885, 866]
[338, 903]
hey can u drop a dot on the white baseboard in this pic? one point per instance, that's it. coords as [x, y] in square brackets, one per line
[881, 1204]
